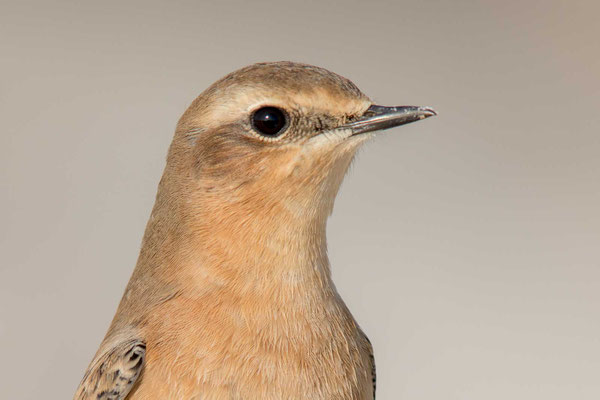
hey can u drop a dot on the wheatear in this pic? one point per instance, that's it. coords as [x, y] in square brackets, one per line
[232, 295]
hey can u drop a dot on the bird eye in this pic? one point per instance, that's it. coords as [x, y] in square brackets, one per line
[269, 121]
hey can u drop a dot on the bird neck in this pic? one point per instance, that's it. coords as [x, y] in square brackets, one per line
[201, 240]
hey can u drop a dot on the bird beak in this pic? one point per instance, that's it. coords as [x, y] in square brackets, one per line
[378, 118]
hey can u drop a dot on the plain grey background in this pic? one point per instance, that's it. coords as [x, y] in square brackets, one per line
[465, 245]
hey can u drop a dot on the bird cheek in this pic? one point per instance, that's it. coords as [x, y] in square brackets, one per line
[221, 153]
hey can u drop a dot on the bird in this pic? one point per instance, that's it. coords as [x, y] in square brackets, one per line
[232, 295]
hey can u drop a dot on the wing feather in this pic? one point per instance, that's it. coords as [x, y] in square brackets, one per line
[113, 373]
[372, 362]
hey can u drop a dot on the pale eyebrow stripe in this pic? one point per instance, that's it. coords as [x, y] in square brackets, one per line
[194, 132]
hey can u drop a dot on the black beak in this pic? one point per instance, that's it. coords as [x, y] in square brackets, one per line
[378, 118]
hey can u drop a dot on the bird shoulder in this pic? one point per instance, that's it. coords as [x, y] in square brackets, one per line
[115, 369]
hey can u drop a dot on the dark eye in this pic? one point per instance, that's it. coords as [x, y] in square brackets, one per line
[269, 121]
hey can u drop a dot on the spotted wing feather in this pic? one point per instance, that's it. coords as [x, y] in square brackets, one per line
[372, 362]
[113, 373]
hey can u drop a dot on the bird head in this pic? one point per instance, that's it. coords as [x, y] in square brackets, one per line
[275, 139]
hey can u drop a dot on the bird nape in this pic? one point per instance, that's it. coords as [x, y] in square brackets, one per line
[232, 296]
